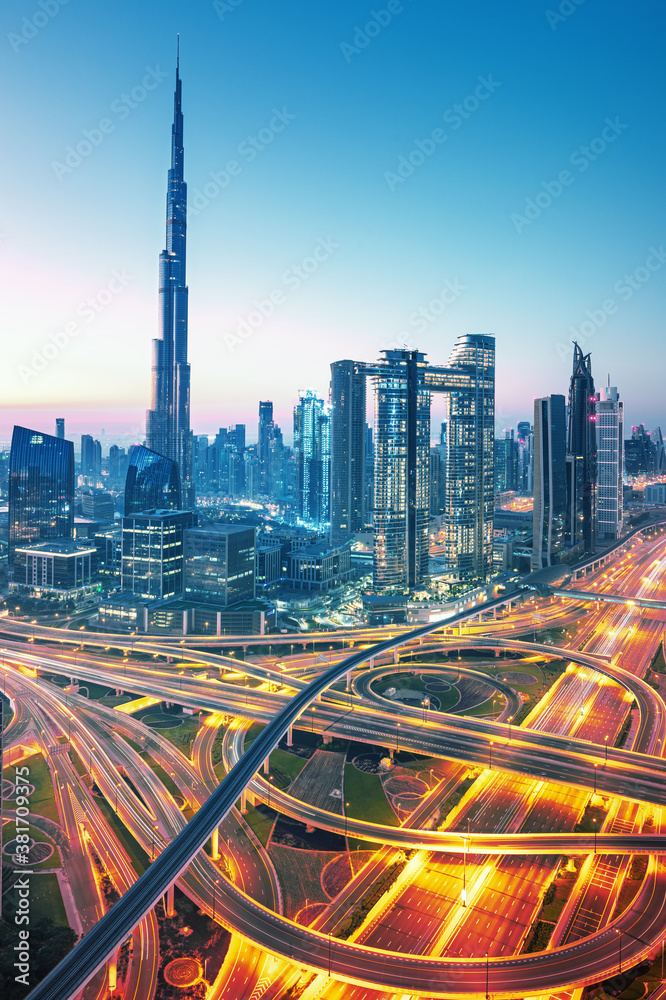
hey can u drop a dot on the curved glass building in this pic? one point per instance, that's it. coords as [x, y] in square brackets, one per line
[41, 489]
[152, 482]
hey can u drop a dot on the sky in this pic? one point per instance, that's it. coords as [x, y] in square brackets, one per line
[360, 177]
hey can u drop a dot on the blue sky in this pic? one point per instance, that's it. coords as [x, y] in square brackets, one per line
[478, 234]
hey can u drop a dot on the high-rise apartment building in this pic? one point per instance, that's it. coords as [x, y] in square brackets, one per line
[582, 442]
[550, 481]
[168, 420]
[610, 462]
[348, 456]
[41, 489]
[312, 449]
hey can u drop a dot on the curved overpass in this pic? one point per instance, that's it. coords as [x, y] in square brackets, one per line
[593, 957]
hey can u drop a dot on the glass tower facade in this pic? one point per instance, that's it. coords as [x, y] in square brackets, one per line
[348, 450]
[152, 482]
[41, 489]
[312, 449]
[550, 481]
[402, 472]
[220, 564]
[470, 459]
[582, 441]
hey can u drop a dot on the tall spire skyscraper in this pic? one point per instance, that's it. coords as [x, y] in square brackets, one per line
[168, 420]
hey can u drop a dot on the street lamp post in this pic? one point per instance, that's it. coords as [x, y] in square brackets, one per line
[606, 744]
[490, 755]
[152, 843]
[346, 808]
[487, 975]
[595, 834]
[595, 778]
[397, 738]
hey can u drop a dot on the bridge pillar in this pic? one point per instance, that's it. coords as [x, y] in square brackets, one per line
[119, 693]
[328, 739]
[371, 662]
[113, 971]
[494, 612]
[395, 655]
[267, 765]
[243, 802]
[215, 844]
[348, 680]
[170, 908]
[290, 736]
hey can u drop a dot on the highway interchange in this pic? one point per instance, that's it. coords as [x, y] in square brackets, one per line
[552, 763]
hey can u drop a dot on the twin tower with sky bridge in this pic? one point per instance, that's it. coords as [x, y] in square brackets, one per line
[403, 383]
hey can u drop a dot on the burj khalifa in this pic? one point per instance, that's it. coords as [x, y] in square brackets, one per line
[168, 420]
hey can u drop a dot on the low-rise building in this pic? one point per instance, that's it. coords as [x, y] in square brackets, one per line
[63, 567]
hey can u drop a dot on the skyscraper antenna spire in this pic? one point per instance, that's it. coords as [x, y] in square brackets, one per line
[177, 54]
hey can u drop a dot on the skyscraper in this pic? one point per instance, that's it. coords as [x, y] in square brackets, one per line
[60, 428]
[87, 454]
[610, 462]
[582, 441]
[348, 450]
[41, 489]
[264, 444]
[404, 382]
[550, 481]
[402, 471]
[168, 420]
[312, 448]
[470, 381]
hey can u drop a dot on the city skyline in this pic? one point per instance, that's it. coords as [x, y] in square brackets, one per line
[324, 188]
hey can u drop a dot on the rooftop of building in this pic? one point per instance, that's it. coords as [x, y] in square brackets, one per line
[58, 547]
[217, 528]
